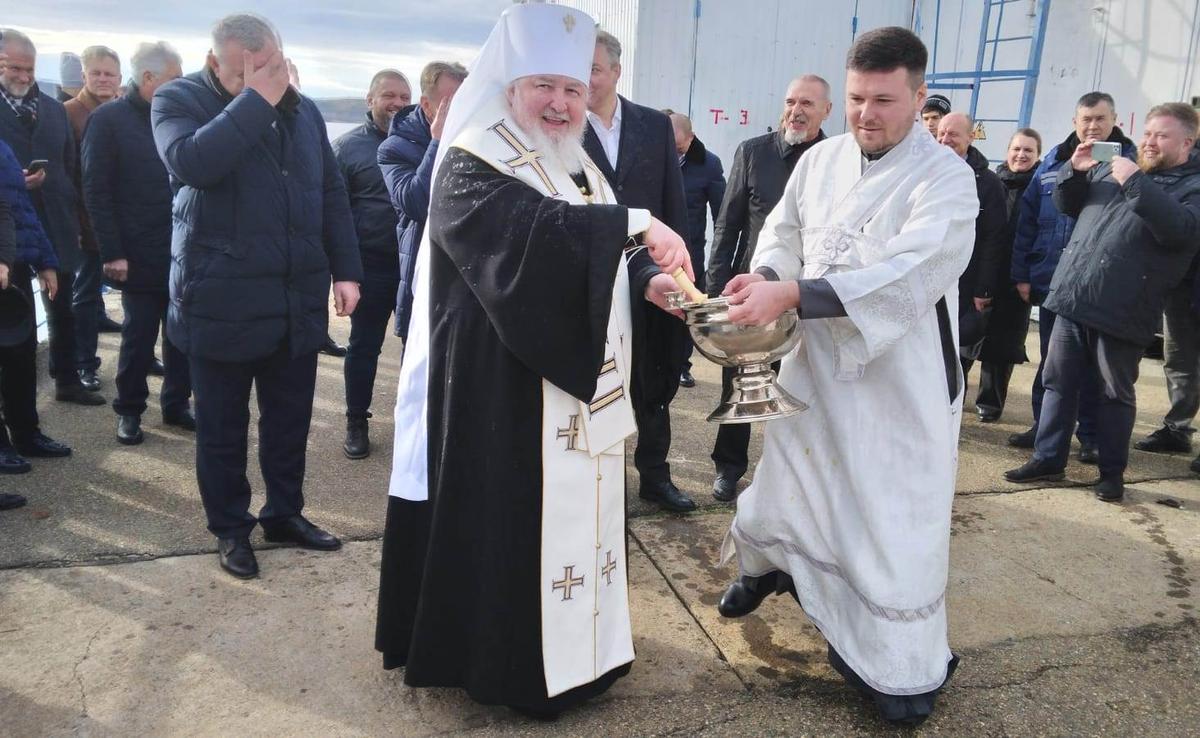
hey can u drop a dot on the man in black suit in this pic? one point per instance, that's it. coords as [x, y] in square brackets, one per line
[635, 148]
[761, 167]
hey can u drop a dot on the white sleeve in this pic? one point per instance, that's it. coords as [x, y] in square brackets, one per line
[779, 246]
[639, 221]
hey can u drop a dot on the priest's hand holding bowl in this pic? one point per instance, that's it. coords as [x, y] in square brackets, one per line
[670, 253]
[754, 300]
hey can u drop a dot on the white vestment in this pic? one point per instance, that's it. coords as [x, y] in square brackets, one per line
[852, 497]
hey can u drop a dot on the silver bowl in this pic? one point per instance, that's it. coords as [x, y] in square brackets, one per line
[749, 350]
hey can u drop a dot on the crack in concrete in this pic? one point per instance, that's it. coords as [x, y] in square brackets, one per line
[679, 597]
[1029, 678]
[77, 677]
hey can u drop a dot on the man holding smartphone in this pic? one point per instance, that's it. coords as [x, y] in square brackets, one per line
[36, 127]
[1138, 229]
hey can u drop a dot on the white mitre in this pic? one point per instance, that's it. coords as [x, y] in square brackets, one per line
[530, 38]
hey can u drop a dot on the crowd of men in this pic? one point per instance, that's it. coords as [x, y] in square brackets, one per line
[219, 208]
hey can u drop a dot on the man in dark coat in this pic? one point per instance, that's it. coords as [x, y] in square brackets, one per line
[634, 146]
[102, 83]
[24, 250]
[128, 196]
[35, 126]
[1042, 233]
[375, 224]
[980, 282]
[406, 159]
[261, 222]
[703, 191]
[1138, 230]
[761, 167]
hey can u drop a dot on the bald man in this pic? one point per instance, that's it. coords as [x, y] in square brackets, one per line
[987, 271]
[703, 190]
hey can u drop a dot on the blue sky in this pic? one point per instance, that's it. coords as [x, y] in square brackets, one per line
[337, 48]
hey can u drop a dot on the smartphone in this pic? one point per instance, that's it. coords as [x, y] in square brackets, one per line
[1103, 151]
[36, 166]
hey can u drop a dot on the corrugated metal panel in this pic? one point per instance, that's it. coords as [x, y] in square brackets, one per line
[1142, 52]
[620, 18]
[745, 55]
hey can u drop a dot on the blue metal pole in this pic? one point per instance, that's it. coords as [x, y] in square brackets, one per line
[983, 29]
[1035, 62]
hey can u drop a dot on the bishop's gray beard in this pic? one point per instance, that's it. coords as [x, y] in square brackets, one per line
[566, 152]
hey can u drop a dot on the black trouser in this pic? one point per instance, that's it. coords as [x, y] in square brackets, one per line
[61, 319]
[1089, 388]
[1077, 352]
[18, 371]
[653, 442]
[368, 328]
[993, 386]
[87, 306]
[731, 452]
[284, 386]
[145, 313]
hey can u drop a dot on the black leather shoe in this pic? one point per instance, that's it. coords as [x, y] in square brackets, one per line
[77, 394]
[331, 348]
[157, 368]
[358, 442]
[108, 325]
[1165, 441]
[667, 496]
[1089, 454]
[12, 462]
[237, 557]
[1035, 471]
[41, 446]
[987, 415]
[299, 531]
[725, 488]
[89, 380]
[687, 380]
[1024, 439]
[181, 419]
[1111, 488]
[11, 502]
[129, 430]
[746, 594]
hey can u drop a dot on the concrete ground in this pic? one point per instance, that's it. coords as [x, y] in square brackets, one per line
[1073, 617]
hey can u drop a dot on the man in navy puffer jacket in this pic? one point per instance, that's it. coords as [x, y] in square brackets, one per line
[1042, 232]
[128, 197]
[261, 221]
[406, 158]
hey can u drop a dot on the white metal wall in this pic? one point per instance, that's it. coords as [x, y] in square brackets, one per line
[1142, 52]
[746, 51]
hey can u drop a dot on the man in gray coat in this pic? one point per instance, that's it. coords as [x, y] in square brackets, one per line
[1138, 229]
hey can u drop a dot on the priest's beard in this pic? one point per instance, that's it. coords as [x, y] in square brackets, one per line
[792, 137]
[565, 150]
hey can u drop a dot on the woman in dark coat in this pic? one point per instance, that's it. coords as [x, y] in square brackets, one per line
[1008, 325]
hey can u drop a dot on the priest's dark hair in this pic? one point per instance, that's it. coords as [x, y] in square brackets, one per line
[888, 48]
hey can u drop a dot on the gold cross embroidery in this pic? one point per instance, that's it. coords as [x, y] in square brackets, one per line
[610, 565]
[567, 583]
[525, 157]
[571, 433]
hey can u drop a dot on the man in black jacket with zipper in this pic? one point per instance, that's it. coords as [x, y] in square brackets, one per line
[761, 167]
[375, 223]
[1138, 229]
[128, 196]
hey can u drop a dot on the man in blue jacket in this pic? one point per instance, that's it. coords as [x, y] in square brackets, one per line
[261, 221]
[703, 191]
[35, 127]
[406, 159]
[375, 224]
[1042, 232]
[128, 197]
[1138, 230]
